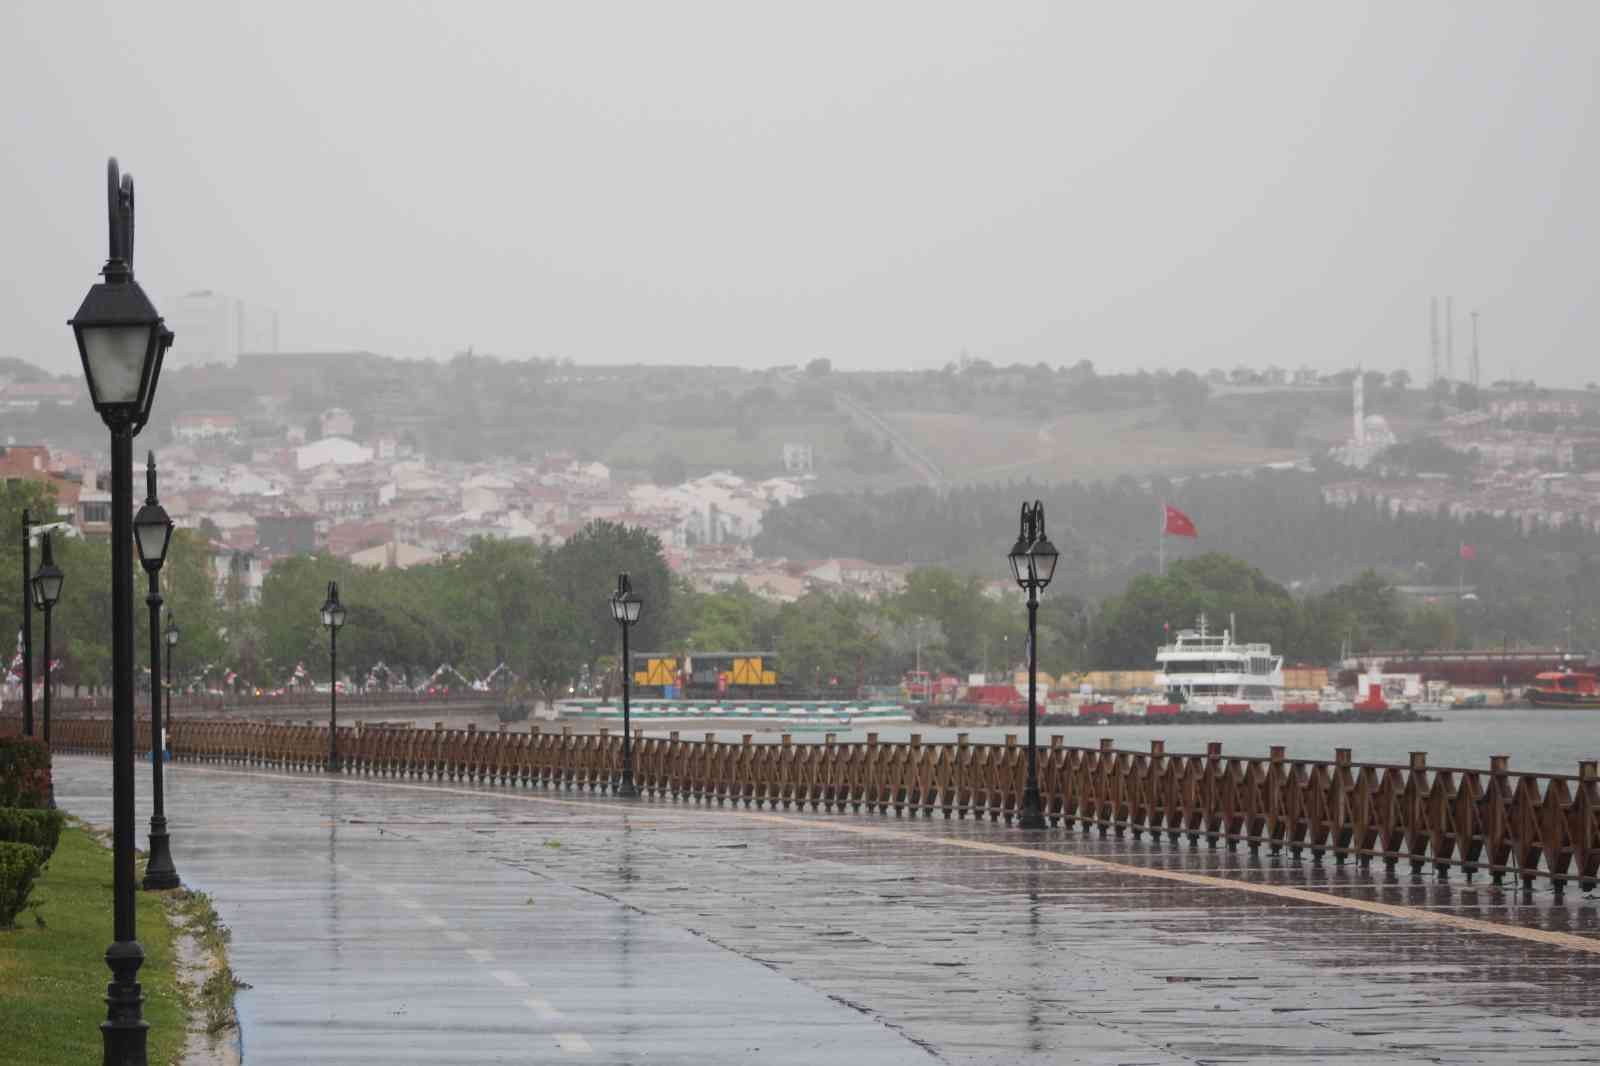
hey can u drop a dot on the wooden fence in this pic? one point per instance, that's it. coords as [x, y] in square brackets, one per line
[1496, 821]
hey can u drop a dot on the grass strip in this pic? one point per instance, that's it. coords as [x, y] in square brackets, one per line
[215, 995]
[52, 966]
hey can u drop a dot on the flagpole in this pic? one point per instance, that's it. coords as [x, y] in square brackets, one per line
[1161, 540]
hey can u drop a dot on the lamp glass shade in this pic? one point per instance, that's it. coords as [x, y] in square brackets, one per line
[630, 608]
[114, 357]
[47, 582]
[152, 532]
[1042, 557]
[618, 615]
[333, 614]
[1019, 560]
[172, 633]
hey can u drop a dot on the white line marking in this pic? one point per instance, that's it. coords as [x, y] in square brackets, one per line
[483, 955]
[411, 905]
[434, 920]
[457, 937]
[509, 979]
[573, 1043]
[543, 1009]
[388, 890]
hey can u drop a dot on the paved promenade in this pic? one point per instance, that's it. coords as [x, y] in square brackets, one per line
[388, 921]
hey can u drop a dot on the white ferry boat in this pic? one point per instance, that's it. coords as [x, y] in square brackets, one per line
[1209, 673]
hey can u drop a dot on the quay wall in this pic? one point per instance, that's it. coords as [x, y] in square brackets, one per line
[1528, 826]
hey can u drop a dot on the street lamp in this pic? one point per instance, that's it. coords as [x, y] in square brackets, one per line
[152, 532]
[46, 587]
[172, 651]
[1033, 563]
[121, 341]
[625, 604]
[333, 618]
[27, 624]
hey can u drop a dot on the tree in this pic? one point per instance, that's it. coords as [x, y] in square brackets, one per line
[955, 602]
[819, 368]
[584, 570]
[1231, 593]
[822, 639]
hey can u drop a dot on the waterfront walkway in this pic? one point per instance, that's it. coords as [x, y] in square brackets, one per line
[389, 921]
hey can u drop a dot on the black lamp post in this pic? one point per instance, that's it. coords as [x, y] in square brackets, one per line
[46, 584]
[1033, 564]
[171, 634]
[625, 604]
[121, 341]
[27, 624]
[333, 618]
[152, 532]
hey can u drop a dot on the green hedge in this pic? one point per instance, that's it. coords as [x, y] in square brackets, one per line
[24, 772]
[23, 825]
[19, 865]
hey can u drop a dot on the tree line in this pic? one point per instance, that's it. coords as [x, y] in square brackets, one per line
[540, 612]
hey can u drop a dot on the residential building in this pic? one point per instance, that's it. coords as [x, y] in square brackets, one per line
[204, 426]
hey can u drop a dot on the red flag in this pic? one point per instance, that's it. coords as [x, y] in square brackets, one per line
[1178, 524]
[1469, 552]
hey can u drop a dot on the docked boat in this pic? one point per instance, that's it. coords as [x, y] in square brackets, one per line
[1212, 673]
[1564, 688]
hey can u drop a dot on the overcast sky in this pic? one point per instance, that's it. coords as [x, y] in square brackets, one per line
[886, 184]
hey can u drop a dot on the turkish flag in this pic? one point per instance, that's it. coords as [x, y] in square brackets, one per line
[1469, 552]
[1179, 524]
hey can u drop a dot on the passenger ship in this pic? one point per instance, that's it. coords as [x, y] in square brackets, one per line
[1208, 673]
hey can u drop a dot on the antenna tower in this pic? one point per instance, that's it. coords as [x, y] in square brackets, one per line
[1477, 368]
[1450, 337]
[1433, 341]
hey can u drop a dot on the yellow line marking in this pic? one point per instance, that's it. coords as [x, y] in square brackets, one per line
[573, 1044]
[509, 979]
[1570, 941]
[543, 1009]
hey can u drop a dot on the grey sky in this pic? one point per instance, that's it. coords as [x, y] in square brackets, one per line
[886, 184]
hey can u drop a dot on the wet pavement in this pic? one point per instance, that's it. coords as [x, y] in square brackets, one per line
[381, 920]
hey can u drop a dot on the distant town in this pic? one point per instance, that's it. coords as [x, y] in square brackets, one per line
[266, 478]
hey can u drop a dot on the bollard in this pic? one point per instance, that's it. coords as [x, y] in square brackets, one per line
[1158, 747]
